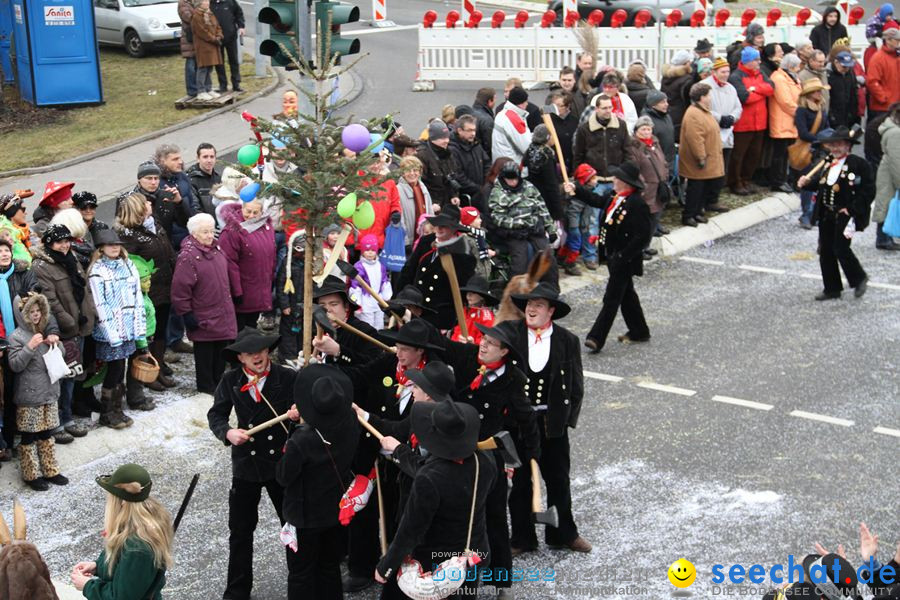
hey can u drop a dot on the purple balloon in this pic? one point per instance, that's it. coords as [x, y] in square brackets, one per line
[355, 137]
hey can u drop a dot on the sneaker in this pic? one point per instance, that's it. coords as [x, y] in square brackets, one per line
[63, 437]
[38, 485]
[204, 97]
[182, 347]
[58, 479]
[214, 95]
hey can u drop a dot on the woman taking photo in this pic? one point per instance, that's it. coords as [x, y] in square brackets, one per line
[120, 324]
[138, 548]
[141, 235]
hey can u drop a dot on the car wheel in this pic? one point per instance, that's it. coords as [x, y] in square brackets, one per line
[133, 44]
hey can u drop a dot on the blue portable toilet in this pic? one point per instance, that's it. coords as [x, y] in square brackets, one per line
[6, 29]
[57, 59]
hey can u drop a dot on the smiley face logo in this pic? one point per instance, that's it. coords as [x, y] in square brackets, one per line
[682, 573]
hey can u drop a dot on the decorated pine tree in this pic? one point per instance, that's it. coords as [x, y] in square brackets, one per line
[335, 179]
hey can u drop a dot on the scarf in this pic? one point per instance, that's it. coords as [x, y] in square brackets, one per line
[618, 109]
[484, 368]
[418, 200]
[150, 224]
[70, 264]
[402, 379]
[648, 141]
[6, 309]
[253, 382]
[251, 225]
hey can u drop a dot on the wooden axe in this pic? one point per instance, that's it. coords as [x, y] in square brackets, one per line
[353, 273]
[335, 254]
[550, 516]
[551, 109]
[365, 336]
[855, 132]
[263, 426]
[446, 252]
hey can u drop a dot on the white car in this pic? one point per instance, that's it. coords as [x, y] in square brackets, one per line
[138, 25]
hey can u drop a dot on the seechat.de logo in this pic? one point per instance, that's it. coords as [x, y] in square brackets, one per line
[682, 573]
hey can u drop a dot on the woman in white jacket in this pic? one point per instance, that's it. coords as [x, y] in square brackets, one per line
[726, 107]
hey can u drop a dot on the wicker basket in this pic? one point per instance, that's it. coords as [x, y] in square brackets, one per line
[145, 368]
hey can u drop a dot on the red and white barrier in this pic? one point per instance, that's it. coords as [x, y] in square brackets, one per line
[379, 14]
[468, 7]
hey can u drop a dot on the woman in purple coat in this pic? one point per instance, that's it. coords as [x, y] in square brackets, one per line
[248, 241]
[201, 295]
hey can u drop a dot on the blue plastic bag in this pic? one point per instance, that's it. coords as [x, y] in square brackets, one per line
[393, 254]
[891, 224]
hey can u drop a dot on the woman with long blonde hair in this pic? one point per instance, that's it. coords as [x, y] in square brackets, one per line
[138, 548]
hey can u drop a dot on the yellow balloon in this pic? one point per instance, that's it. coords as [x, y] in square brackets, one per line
[347, 206]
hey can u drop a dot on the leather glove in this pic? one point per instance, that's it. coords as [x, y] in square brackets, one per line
[238, 300]
[82, 321]
[395, 217]
[190, 321]
[726, 121]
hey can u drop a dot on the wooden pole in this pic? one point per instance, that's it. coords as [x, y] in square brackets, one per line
[382, 522]
[308, 259]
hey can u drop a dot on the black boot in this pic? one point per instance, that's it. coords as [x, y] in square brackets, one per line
[109, 417]
[134, 395]
[119, 405]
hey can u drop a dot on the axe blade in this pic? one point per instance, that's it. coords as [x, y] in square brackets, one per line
[550, 109]
[508, 448]
[455, 246]
[347, 269]
[320, 316]
[549, 517]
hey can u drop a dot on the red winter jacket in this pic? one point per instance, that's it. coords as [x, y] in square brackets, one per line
[385, 201]
[755, 115]
[883, 79]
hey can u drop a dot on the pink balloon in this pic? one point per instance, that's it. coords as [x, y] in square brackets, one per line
[355, 137]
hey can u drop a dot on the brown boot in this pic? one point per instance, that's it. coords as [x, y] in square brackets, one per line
[119, 405]
[110, 417]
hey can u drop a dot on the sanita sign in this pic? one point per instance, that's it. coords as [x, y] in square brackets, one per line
[59, 15]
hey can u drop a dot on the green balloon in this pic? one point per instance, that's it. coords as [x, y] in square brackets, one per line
[364, 217]
[248, 155]
[347, 206]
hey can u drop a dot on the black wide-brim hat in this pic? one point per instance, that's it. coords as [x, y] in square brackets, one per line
[629, 173]
[447, 429]
[504, 332]
[543, 291]
[334, 285]
[249, 340]
[416, 333]
[436, 379]
[479, 285]
[703, 45]
[838, 134]
[324, 395]
[449, 217]
[410, 295]
[831, 589]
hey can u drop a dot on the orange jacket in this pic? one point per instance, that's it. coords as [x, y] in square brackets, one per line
[883, 79]
[783, 105]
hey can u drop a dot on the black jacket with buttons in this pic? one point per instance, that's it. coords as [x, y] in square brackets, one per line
[498, 401]
[254, 460]
[354, 349]
[628, 234]
[565, 389]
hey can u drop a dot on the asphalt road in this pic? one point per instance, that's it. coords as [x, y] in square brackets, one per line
[667, 462]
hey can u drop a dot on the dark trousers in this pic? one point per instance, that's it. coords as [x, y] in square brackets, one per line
[519, 256]
[243, 504]
[314, 571]
[291, 342]
[209, 364]
[834, 249]
[745, 157]
[699, 194]
[231, 49]
[363, 547]
[248, 319]
[779, 169]
[726, 159]
[555, 464]
[498, 529]
[620, 293]
[158, 345]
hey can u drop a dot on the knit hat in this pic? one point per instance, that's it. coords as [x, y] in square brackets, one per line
[704, 65]
[518, 95]
[720, 62]
[56, 192]
[468, 214]
[368, 242]
[644, 121]
[584, 172]
[753, 30]
[437, 130]
[886, 10]
[84, 200]
[749, 54]
[682, 57]
[654, 97]
[148, 168]
[463, 109]
[845, 59]
[334, 228]
[891, 31]
[540, 135]
[56, 232]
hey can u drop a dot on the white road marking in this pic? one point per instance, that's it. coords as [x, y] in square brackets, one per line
[702, 261]
[761, 269]
[809, 276]
[823, 418]
[887, 431]
[886, 286]
[602, 376]
[744, 403]
[666, 388]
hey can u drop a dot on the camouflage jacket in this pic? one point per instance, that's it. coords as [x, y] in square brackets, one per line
[522, 210]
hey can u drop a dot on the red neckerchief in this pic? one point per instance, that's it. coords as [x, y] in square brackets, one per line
[648, 141]
[413, 441]
[484, 368]
[837, 160]
[539, 330]
[719, 82]
[618, 109]
[402, 379]
[617, 200]
[252, 380]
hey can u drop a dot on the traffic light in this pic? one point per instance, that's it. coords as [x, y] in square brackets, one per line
[329, 18]
[281, 17]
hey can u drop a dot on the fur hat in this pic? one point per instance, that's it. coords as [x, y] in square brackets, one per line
[753, 30]
[29, 302]
[644, 121]
[540, 135]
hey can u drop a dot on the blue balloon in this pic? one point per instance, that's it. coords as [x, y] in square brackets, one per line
[249, 192]
[374, 137]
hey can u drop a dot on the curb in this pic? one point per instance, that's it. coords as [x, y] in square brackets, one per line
[685, 238]
[279, 79]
